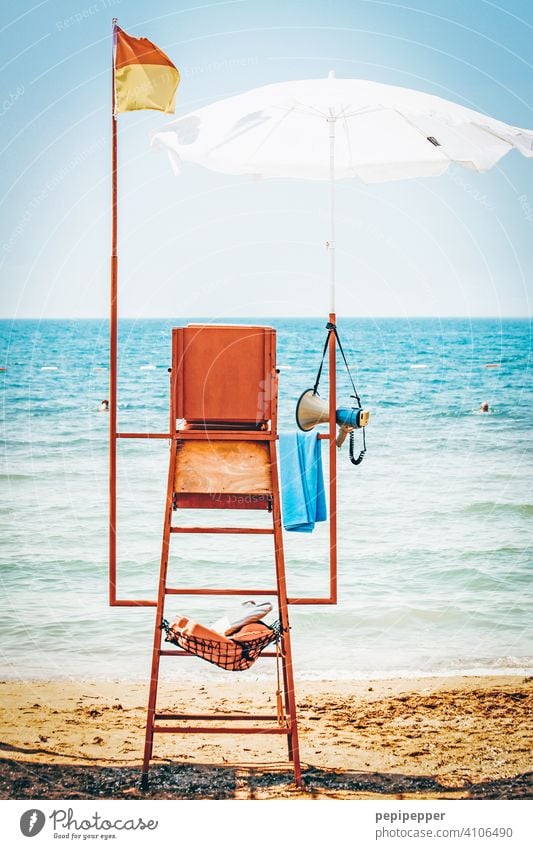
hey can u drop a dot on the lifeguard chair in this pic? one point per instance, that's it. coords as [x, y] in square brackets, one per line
[223, 432]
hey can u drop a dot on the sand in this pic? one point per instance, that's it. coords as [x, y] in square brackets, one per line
[452, 738]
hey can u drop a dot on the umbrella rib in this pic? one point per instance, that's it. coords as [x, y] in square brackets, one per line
[307, 109]
[487, 129]
[364, 110]
[272, 130]
[421, 132]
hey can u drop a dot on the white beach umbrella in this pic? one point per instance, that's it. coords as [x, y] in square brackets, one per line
[330, 129]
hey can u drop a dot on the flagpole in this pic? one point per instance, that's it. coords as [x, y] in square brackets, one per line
[113, 341]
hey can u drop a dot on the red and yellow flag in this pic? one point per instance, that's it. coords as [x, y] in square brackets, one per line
[145, 78]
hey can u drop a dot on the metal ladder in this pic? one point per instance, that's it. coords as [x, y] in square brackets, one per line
[156, 722]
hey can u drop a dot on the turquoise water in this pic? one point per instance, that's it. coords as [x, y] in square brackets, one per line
[434, 526]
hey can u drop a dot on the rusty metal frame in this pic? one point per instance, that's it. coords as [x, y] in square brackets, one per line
[114, 601]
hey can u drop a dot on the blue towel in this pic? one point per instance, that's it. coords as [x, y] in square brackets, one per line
[302, 481]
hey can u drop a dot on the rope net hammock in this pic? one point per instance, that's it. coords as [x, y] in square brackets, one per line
[233, 654]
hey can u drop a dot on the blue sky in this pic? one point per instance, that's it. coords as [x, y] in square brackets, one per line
[208, 245]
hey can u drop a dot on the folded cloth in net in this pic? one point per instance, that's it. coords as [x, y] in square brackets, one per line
[245, 613]
[235, 655]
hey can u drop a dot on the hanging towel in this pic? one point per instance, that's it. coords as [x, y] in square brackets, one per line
[302, 481]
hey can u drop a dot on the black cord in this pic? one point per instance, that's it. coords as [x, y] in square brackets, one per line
[332, 328]
[352, 445]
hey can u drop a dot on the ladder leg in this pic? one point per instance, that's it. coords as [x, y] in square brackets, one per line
[293, 742]
[154, 675]
[286, 697]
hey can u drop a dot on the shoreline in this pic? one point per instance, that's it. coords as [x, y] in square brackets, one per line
[427, 737]
[266, 678]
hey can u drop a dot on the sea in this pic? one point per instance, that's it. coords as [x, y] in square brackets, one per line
[435, 529]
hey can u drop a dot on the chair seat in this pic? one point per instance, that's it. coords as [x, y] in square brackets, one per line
[223, 474]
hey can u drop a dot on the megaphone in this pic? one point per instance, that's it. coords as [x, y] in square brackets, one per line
[312, 410]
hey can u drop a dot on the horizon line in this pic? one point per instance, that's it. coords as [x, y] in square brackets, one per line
[252, 316]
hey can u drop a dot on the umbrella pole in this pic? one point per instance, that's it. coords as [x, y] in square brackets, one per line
[332, 379]
[331, 243]
[332, 464]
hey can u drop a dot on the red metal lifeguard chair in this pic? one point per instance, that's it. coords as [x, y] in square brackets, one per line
[223, 431]
[222, 434]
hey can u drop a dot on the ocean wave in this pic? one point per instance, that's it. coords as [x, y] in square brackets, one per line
[432, 549]
[119, 667]
[486, 507]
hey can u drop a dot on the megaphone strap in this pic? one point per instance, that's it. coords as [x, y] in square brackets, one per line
[319, 372]
[332, 328]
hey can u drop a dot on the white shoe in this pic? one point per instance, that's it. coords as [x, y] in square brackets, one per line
[246, 613]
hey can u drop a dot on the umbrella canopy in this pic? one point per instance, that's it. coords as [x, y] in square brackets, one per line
[338, 128]
[330, 129]
[381, 132]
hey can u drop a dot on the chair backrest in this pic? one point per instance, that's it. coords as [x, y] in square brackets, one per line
[224, 375]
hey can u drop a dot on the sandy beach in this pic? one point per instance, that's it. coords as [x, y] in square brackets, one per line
[452, 738]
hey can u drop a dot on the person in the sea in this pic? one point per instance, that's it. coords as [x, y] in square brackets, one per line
[104, 406]
[484, 407]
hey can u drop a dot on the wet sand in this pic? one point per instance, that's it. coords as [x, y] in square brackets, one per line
[453, 738]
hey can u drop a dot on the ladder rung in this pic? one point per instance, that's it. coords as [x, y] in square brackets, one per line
[219, 716]
[209, 591]
[230, 435]
[190, 530]
[181, 653]
[206, 729]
